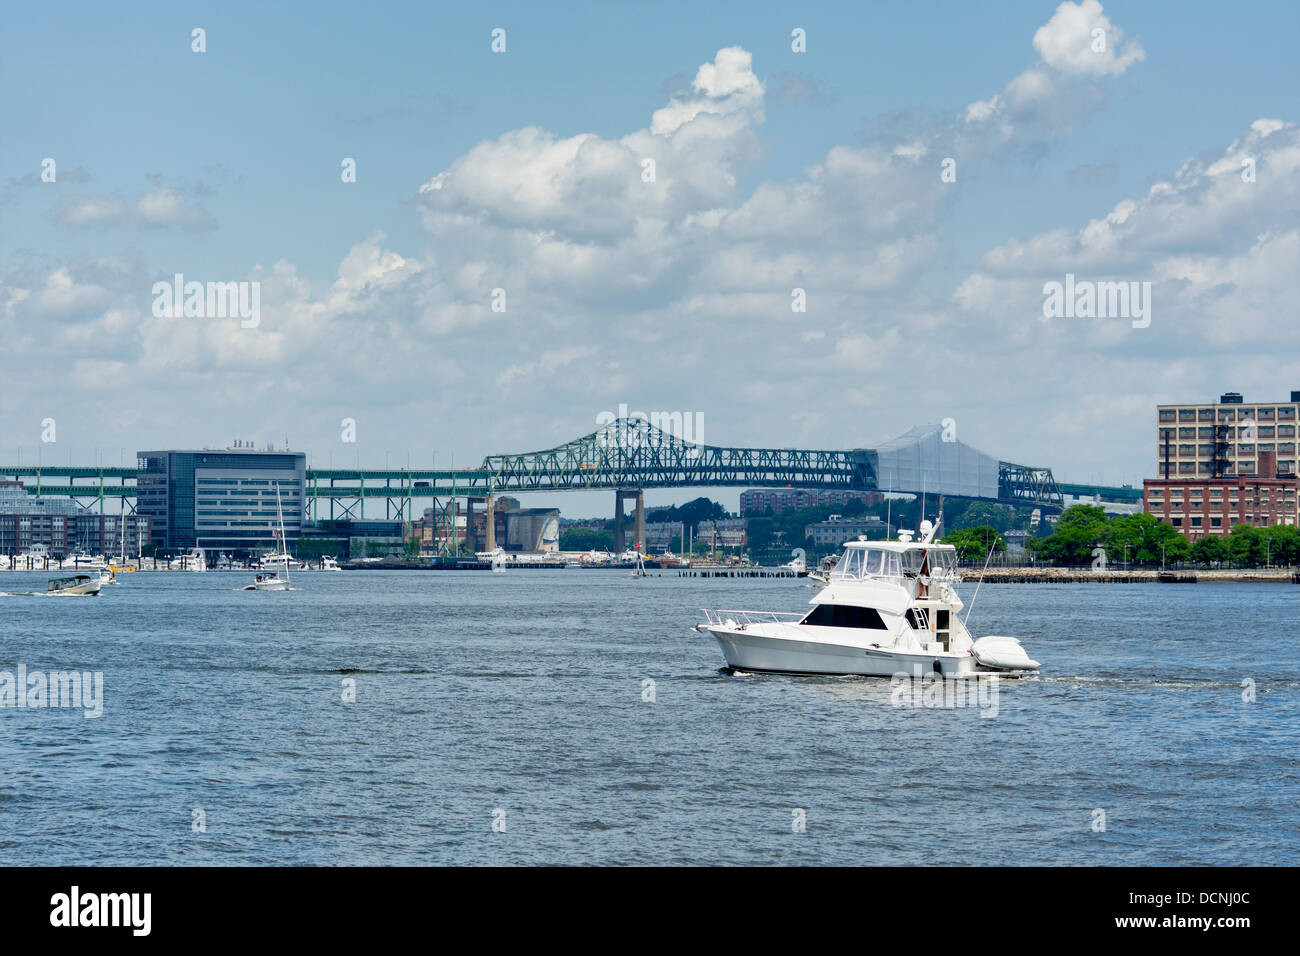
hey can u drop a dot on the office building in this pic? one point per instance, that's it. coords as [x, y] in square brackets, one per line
[222, 500]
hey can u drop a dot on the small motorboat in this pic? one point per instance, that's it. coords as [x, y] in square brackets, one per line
[268, 582]
[889, 607]
[80, 585]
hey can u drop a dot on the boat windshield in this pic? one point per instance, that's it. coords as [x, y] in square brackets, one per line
[859, 563]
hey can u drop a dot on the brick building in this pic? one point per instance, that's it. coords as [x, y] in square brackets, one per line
[1198, 506]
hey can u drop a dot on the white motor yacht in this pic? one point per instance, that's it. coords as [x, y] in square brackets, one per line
[80, 585]
[35, 558]
[329, 564]
[191, 561]
[889, 607]
[278, 561]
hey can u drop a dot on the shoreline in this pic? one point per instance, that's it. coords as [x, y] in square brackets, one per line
[1056, 575]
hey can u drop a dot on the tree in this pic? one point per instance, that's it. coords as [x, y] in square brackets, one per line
[1210, 549]
[1144, 534]
[1080, 530]
[1283, 542]
[586, 539]
[1246, 545]
[981, 513]
[973, 544]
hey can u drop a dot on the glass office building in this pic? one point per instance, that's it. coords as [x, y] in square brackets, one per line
[220, 500]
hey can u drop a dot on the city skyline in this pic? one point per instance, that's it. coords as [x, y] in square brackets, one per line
[776, 170]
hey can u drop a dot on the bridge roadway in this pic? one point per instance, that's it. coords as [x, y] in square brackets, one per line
[626, 456]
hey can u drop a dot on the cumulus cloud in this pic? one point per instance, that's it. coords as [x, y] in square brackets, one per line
[1242, 202]
[627, 280]
[1080, 39]
[1079, 44]
[159, 207]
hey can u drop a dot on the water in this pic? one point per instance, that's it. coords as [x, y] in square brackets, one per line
[523, 692]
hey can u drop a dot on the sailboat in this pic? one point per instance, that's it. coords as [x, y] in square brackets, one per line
[274, 581]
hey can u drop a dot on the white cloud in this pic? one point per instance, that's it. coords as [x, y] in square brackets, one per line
[160, 207]
[1080, 39]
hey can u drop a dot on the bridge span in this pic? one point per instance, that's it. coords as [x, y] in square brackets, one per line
[627, 456]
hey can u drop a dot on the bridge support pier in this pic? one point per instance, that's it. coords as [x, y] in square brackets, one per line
[620, 534]
[491, 525]
[639, 523]
[620, 517]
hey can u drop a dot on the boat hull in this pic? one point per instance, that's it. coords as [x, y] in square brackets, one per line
[748, 651]
[90, 589]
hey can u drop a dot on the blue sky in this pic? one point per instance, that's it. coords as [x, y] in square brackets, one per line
[236, 151]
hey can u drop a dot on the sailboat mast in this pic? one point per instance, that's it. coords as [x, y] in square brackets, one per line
[284, 545]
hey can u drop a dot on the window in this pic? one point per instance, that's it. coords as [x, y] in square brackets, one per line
[844, 615]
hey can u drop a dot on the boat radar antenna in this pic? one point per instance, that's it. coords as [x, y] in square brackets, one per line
[927, 532]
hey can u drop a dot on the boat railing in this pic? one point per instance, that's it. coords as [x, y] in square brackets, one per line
[728, 618]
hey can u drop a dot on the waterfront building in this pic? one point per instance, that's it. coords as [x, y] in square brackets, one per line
[836, 530]
[659, 535]
[62, 527]
[347, 539]
[1199, 506]
[1015, 540]
[222, 500]
[1225, 438]
[514, 529]
[435, 529]
[757, 501]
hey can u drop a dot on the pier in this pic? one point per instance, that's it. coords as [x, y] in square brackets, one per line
[738, 573]
[1038, 575]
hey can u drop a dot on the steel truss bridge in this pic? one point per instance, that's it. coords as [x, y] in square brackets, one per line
[628, 454]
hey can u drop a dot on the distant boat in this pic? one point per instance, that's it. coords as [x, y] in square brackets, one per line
[76, 586]
[329, 564]
[82, 561]
[275, 581]
[268, 582]
[638, 568]
[192, 561]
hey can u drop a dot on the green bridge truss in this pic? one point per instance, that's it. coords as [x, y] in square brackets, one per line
[625, 454]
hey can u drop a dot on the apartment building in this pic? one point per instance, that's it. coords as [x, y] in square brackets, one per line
[1226, 438]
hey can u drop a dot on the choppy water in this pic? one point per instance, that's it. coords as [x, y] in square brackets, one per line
[523, 691]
